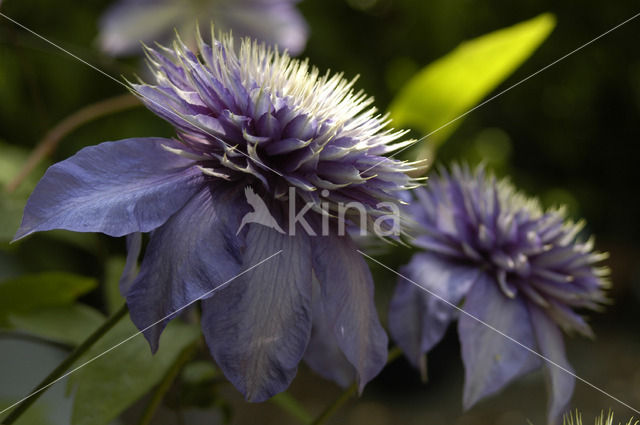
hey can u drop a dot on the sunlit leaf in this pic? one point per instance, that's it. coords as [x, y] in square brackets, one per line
[70, 324]
[28, 292]
[453, 84]
[107, 386]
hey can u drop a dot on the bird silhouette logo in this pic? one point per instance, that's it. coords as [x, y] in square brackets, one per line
[260, 213]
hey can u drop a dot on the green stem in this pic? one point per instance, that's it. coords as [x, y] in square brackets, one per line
[59, 371]
[165, 384]
[337, 404]
[50, 141]
[286, 402]
[394, 353]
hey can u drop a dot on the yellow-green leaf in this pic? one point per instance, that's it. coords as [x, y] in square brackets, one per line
[453, 84]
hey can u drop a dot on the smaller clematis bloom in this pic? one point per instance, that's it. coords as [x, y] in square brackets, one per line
[508, 263]
[129, 22]
[266, 151]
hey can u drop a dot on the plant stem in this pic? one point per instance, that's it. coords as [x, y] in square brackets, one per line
[286, 402]
[59, 371]
[50, 141]
[337, 404]
[164, 386]
[394, 353]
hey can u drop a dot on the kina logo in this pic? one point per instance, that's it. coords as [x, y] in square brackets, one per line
[260, 213]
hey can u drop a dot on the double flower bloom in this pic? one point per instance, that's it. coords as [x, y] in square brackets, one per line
[255, 117]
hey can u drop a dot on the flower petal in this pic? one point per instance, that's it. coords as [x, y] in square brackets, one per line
[347, 295]
[490, 359]
[408, 323]
[276, 22]
[117, 188]
[128, 22]
[258, 326]
[323, 354]
[551, 345]
[417, 319]
[189, 256]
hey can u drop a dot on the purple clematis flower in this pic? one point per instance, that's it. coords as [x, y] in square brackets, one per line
[508, 263]
[251, 127]
[129, 22]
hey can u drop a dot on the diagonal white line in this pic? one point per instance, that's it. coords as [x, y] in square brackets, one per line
[133, 90]
[548, 360]
[464, 114]
[91, 360]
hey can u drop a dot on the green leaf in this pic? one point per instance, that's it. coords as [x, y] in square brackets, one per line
[107, 386]
[28, 292]
[453, 84]
[67, 324]
[289, 404]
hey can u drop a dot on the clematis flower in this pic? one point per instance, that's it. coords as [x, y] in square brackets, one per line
[250, 125]
[508, 263]
[129, 22]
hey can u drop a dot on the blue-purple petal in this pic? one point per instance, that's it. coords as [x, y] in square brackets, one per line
[551, 345]
[408, 322]
[323, 354]
[129, 22]
[274, 22]
[347, 294]
[490, 359]
[417, 319]
[258, 327]
[189, 256]
[117, 188]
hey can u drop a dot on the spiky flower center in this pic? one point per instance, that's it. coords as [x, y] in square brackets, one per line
[259, 115]
[474, 219]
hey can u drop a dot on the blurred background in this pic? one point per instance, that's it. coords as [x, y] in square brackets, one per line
[569, 135]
